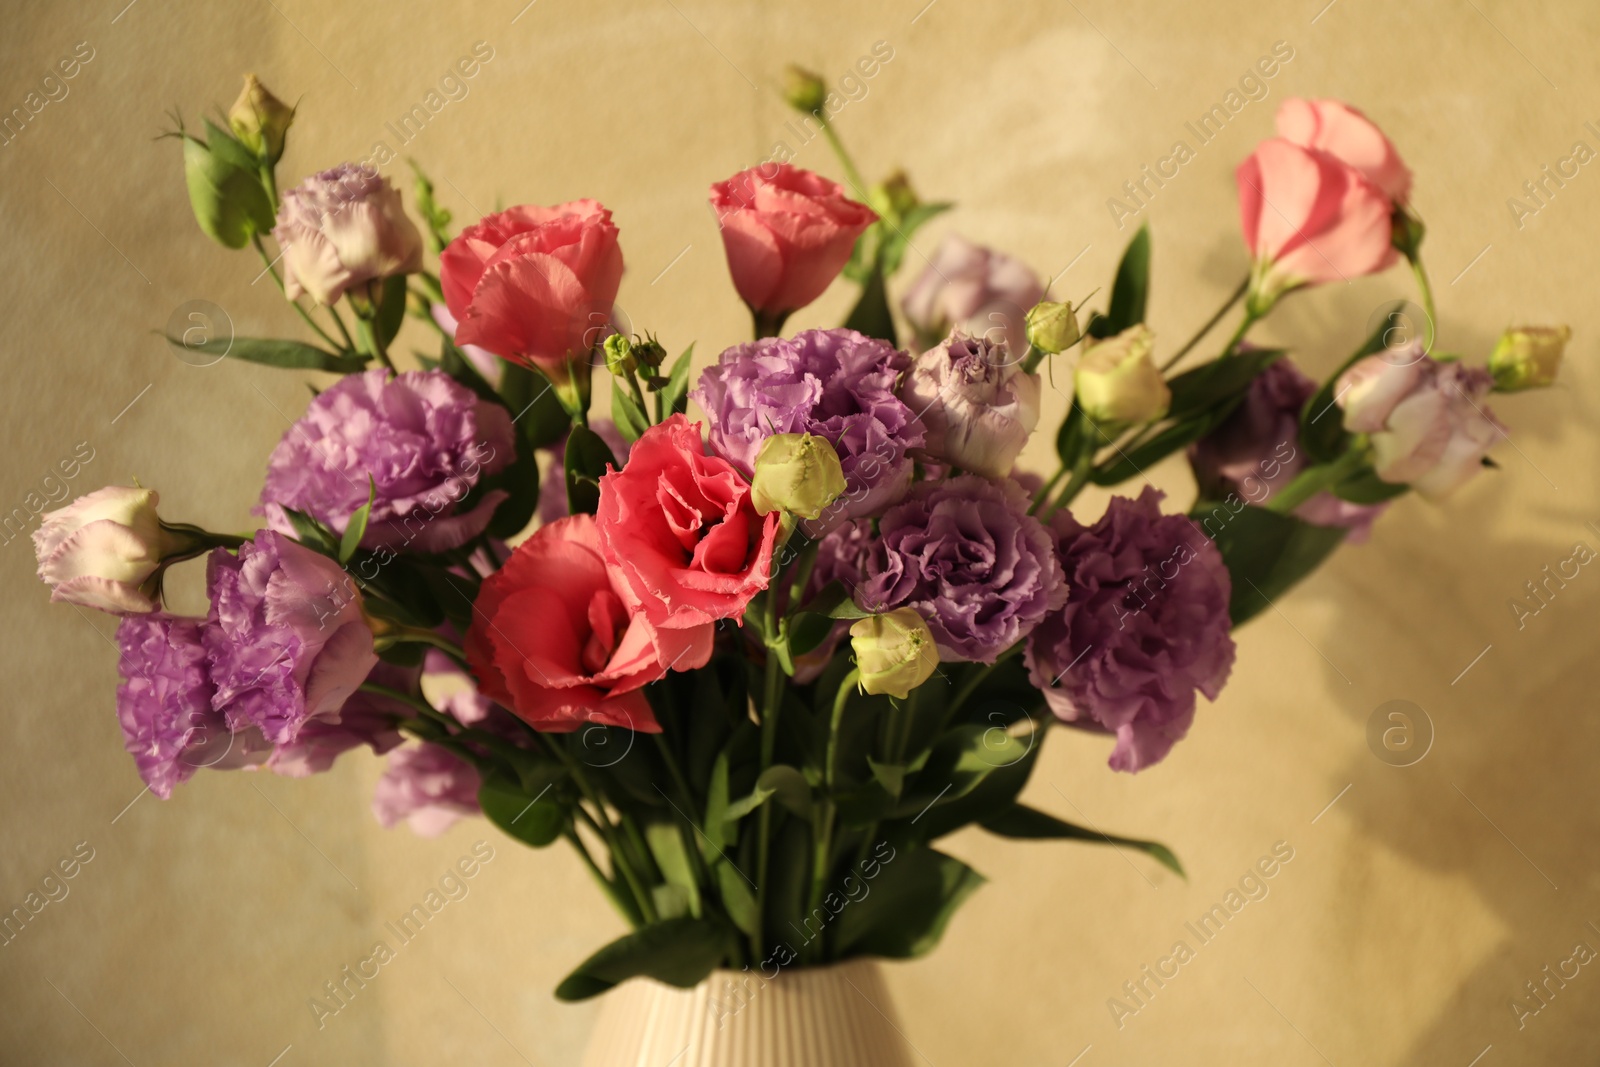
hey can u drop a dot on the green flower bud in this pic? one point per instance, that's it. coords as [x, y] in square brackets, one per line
[1528, 358]
[798, 473]
[1052, 327]
[1118, 383]
[649, 352]
[260, 120]
[804, 91]
[619, 355]
[225, 189]
[895, 652]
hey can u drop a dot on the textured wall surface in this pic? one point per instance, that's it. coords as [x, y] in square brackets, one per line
[1419, 900]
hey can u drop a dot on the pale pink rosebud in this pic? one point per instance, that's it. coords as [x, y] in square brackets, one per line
[343, 228]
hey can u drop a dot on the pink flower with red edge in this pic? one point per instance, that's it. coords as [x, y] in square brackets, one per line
[554, 639]
[1317, 202]
[681, 531]
[787, 233]
[535, 285]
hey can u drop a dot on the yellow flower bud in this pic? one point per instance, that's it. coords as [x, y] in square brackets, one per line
[1118, 383]
[1529, 357]
[1052, 327]
[803, 90]
[260, 119]
[798, 473]
[895, 652]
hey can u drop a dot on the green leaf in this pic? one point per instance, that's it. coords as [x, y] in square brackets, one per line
[391, 308]
[1025, 823]
[896, 241]
[678, 952]
[719, 827]
[911, 900]
[961, 759]
[1266, 553]
[1130, 292]
[737, 899]
[225, 188]
[675, 394]
[311, 533]
[356, 528]
[534, 405]
[588, 456]
[630, 418]
[1321, 422]
[833, 601]
[785, 783]
[665, 838]
[807, 632]
[535, 821]
[293, 355]
[1220, 380]
[871, 314]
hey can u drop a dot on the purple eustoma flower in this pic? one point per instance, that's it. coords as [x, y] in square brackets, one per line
[1145, 626]
[967, 555]
[422, 439]
[287, 641]
[164, 704]
[836, 384]
[428, 786]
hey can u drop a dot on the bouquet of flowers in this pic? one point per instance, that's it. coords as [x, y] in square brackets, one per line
[753, 665]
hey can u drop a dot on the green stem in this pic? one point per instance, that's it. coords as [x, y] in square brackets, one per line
[609, 887]
[1210, 324]
[1421, 274]
[830, 768]
[419, 706]
[772, 694]
[413, 636]
[1313, 480]
[851, 174]
[602, 825]
[338, 320]
[1044, 490]
[1032, 358]
[971, 685]
[1081, 468]
[371, 342]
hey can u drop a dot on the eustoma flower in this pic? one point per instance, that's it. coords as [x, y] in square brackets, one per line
[787, 234]
[1256, 451]
[103, 550]
[681, 530]
[165, 704]
[343, 228]
[1316, 201]
[554, 640]
[287, 641]
[969, 558]
[976, 402]
[973, 289]
[535, 285]
[428, 786]
[1145, 625]
[835, 384]
[423, 440]
[1426, 418]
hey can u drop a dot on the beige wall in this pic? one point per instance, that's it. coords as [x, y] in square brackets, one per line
[1413, 909]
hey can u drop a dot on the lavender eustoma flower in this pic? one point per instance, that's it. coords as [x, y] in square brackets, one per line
[423, 440]
[1145, 625]
[836, 384]
[977, 403]
[164, 704]
[1256, 451]
[967, 555]
[428, 786]
[287, 641]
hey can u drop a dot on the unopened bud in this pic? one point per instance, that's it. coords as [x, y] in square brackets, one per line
[895, 652]
[260, 120]
[1052, 327]
[798, 473]
[619, 355]
[1118, 383]
[804, 91]
[1529, 357]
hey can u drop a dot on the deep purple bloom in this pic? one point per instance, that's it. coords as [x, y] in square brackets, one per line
[967, 555]
[836, 384]
[1256, 451]
[423, 440]
[164, 704]
[428, 786]
[287, 641]
[1144, 626]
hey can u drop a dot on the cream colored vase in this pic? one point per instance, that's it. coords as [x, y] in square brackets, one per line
[838, 1016]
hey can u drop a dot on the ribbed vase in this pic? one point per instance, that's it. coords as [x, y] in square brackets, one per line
[837, 1016]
